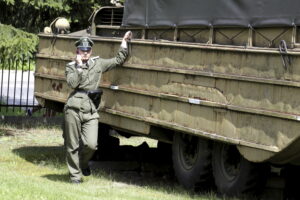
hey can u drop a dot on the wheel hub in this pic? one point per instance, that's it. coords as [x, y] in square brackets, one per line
[230, 160]
[188, 151]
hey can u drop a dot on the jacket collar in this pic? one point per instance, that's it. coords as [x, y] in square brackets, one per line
[90, 63]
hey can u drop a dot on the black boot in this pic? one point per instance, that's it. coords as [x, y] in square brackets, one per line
[86, 171]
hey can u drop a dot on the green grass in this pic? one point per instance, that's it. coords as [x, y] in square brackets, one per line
[32, 166]
[20, 65]
[12, 112]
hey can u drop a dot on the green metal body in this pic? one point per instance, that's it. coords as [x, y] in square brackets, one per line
[224, 84]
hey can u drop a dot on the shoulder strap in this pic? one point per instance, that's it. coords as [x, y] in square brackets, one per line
[71, 63]
[95, 58]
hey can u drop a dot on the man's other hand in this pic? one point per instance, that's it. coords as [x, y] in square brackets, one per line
[127, 36]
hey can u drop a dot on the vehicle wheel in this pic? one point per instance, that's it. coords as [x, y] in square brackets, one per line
[233, 174]
[192, 161]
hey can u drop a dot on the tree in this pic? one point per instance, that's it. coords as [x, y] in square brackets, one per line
[34, 15]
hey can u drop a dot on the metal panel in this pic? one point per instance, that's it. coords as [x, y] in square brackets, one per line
[232, 94]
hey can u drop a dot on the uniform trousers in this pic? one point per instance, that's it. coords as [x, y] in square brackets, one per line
[80, 134]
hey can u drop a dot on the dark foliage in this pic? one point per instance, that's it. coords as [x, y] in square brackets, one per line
[33, 15]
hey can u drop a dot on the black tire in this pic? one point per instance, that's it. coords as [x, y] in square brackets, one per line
[233, 174]
[192, 161]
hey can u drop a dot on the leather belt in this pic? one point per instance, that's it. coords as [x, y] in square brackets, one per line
[94, 95]
[97, 91]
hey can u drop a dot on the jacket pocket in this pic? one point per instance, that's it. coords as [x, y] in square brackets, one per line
[85, 105]
[74, 102]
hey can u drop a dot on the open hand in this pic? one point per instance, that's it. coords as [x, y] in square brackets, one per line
[78, 59]
[128, 36]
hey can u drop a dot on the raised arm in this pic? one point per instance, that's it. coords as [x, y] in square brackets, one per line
[108, 64]
[73, 75]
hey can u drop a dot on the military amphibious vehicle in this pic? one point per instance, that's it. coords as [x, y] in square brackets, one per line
[219, 80]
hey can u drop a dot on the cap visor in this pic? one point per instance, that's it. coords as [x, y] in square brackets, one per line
[85, 48]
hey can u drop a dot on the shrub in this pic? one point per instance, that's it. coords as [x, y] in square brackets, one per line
[15, 43]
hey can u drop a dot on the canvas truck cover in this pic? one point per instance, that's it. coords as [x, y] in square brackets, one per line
[238, 13]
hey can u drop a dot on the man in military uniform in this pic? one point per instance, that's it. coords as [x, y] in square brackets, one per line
[81, 110]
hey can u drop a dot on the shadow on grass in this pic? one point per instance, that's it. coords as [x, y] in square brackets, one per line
[42, 155]
[52, 156]
[134, 165]
[141, 166]
[58, 177]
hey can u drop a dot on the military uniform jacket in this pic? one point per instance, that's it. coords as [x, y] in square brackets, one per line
[88, 79]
